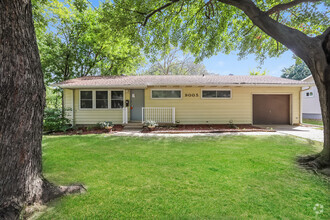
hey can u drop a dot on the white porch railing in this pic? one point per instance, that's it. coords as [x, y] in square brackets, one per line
[125, 115]
[158, 114]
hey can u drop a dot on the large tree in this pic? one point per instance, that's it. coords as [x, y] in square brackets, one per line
[263, 27]
[22, 100]
[77, 44]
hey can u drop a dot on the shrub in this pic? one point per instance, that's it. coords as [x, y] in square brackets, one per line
[105, 124]
[150, 123]
[55, 120]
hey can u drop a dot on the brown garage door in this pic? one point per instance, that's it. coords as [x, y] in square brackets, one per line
[271, 109]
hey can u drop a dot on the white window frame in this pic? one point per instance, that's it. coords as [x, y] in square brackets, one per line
[110, 99]
[94, 96]
[94, 100]
[166, 90]
[231, 94]
[86, 90]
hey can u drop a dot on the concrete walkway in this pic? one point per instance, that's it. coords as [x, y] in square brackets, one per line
[309, 132]
[136, 133]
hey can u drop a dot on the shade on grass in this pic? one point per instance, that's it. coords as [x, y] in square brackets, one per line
[200, 177]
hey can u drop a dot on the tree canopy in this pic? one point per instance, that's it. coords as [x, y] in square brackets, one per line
[74, 42]
[173, 63]
[206, 28]
[298, 72]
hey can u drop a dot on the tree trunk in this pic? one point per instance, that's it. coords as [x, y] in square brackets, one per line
[315, 52]
[22, 100]
[321, 75]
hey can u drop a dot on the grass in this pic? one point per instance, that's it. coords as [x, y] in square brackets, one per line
[313, 122]
[190, 178]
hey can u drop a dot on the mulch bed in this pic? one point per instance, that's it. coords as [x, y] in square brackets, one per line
[178, 129]
[205, 129]
[86, 130]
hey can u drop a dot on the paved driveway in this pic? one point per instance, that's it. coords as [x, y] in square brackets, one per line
[309, 132]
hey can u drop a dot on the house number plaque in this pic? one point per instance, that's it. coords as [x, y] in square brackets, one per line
[191, 95]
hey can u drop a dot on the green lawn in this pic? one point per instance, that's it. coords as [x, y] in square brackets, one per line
[200, 178]
[313, 122]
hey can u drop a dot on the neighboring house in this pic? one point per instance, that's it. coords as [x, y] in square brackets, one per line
[209, 99]
[311, 108]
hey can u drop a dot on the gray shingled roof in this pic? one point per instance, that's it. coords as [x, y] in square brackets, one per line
[176, 80]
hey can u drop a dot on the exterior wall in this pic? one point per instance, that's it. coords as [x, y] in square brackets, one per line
[311, 105]
[92, 116]
[192, 110]
[238, 109]
[68, 103]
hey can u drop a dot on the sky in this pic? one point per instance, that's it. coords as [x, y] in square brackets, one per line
[224, 64]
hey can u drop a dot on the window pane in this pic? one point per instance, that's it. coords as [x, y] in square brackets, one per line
[102, 103]
[166, 94]
[86, 94]
[223, 94]
[117, 95]
[101, 95]
[209, 94]
[86, 104]
[117, 103]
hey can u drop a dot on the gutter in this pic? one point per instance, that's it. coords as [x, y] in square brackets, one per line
[205, 85]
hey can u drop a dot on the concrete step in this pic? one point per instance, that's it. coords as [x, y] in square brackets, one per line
[135, 125]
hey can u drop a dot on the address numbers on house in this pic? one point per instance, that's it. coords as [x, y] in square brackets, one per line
[191, 95]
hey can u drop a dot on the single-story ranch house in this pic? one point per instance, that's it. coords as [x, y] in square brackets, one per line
[181, 99]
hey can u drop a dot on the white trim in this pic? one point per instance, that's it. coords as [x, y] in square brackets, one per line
[307, 78]
[110, 99]
[302, 84]
[217, 98]
[87, 90]
[166, 90]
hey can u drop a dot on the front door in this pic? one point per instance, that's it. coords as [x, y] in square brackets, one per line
[137, 102]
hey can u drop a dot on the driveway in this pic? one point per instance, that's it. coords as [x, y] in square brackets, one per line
[309, 132]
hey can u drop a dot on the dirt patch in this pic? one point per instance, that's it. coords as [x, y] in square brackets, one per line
[202, 128]
[87, 130]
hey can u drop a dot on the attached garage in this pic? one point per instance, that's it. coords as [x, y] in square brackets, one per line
[271, 109]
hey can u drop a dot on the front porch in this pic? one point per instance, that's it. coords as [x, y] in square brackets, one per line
[161, 115]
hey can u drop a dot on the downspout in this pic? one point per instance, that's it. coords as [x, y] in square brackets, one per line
[73, 110]
[300, 100]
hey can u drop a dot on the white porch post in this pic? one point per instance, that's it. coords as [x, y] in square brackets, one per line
[173, 115]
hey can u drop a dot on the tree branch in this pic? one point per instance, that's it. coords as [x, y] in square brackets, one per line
[285, 6]
[158, 10]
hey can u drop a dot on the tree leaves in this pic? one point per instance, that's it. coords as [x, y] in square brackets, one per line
[206, 28]
[77, 43]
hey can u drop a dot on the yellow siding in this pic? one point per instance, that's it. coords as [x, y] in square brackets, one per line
[195, 110]
[94, 116]
[67, 99]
